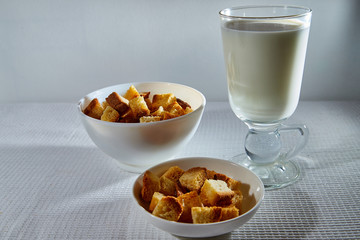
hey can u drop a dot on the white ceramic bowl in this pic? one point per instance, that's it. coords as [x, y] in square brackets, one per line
[137, 146]
[252, 189]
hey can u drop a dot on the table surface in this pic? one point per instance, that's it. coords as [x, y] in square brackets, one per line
[56, 184]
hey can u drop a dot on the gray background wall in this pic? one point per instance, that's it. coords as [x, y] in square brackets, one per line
[59, 50]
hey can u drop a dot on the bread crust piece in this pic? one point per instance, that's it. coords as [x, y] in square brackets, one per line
[151, 184]
[168, 208]
[193, 178]
[94, 109]
[188, 200]
[131, 93]
[139, 107]
[165, 100]
[110, 115]
[229, 213]
[118, 102]
[216, 193]
[155, 200]
[205, 214]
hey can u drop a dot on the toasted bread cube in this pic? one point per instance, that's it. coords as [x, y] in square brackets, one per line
[110, 115]
[151, 184]
[216, 193]
[193, 178]
[131, 93]
[157, 196]
[229, 213]
[145, 119]
[188, 200]
[164, 100]
[162, 113]
[167, 186]
[118, 102]
[168, 208]
[216, 176]
[206, 214]
[176, 110]
[128, 117]
[183, 104]
[237, 200]
[174, 173]
[233, 184]
[94, 109]
[138, 107]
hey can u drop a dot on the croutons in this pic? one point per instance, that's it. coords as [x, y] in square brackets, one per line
[155, 200]
[139, 107]
[94, 109]
[229, 213]
[118, 102]
[188, 200]
[151, 184]
[168, 208]
[168, 181]
[131, 93]
[197, 195]
[206, 214]
[164, 100]
[134, 107]
[193, 179]
[216, 193]
[110, 115]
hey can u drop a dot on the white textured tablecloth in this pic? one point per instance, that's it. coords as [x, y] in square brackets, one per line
[55, 183]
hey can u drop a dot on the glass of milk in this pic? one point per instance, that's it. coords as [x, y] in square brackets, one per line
[264, 50]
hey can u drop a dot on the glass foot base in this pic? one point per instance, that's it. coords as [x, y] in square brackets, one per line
[278, 174]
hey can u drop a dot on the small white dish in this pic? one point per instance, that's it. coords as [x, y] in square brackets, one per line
[138, 146]
[252, 189]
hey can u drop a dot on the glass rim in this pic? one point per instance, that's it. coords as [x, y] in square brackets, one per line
[306, 12]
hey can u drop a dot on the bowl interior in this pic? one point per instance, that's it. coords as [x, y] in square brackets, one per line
[185, 93]
[252, 187]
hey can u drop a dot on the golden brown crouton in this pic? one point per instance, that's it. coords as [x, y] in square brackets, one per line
[216, 193]
[162, 113]
[168, 208]
[176, 110]
[145, 119]
[193, 179]
[138, 107]
[110, 115]
[154, 200]
[216, 176]
[118, 102]
[167, 186]
[183, 104]
[206, 214]
[188, 200]
[164, 100]
[146, 95]
[94, 109]
[151, 184]
[229, 213]
[174, 173]
[233, 184]
[131, 93]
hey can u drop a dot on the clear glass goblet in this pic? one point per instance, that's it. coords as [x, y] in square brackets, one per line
[264, 50]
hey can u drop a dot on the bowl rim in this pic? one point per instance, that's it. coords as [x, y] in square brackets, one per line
[200, 108]
[256, 206]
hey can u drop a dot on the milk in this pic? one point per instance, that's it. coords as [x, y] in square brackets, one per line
[264, 64]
